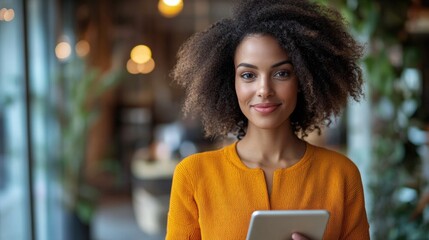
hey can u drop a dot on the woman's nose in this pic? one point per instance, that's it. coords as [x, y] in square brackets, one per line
[265, 89]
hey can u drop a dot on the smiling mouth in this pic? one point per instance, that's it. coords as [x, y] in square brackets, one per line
[265, 107]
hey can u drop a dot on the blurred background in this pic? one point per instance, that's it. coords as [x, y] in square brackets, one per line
[91, 127]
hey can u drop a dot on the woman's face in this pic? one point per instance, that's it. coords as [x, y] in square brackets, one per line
[265, 82]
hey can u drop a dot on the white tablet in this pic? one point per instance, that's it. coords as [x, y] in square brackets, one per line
[280, 224]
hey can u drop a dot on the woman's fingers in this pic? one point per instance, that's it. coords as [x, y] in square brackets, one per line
[297, 236]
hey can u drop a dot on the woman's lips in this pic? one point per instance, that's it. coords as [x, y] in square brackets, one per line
[265, 107]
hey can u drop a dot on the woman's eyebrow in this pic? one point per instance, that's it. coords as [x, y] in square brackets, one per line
[246, 65]
[273, 66]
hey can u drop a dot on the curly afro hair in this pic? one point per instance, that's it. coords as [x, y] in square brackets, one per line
[324, 55]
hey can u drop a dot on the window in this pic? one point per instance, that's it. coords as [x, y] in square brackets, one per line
[30, 205]
[14, 199]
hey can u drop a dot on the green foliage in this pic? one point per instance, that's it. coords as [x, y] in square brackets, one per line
[81, 88]
[380, 24]
[5, 100]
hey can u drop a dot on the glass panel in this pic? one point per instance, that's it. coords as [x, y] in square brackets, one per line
[42, 66]
[14, 199]
[14, 180]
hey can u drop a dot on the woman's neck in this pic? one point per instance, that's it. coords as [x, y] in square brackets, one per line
[271, 146]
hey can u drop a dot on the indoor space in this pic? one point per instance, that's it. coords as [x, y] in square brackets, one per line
[92, 127]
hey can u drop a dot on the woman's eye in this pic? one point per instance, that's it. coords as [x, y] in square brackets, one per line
[282, 74]
[247, 75]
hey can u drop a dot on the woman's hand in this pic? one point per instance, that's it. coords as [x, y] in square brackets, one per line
[297, 236]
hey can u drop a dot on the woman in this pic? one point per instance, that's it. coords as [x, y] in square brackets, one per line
[271, 74]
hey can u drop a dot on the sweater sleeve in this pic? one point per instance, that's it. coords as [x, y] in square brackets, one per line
[355, 220]
[182, 220]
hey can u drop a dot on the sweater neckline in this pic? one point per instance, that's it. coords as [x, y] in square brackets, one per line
[232, 154]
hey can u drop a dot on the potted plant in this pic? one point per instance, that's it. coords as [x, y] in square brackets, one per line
[80, 87]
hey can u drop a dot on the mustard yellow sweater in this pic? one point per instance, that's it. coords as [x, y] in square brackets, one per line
[214, 194]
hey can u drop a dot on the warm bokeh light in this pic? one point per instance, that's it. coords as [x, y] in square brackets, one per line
[9, 15]
[2, 12]
[170, 8]
[141, 54]
[132, 67]
[82, 48]
[63, 50]
[146, 67]
[172, 2]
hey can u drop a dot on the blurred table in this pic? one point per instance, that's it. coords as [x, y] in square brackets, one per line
[151, 193]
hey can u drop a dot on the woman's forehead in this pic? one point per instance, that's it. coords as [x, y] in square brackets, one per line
[260, 48]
